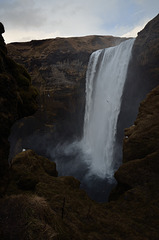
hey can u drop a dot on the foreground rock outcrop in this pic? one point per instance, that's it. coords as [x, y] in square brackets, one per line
[17, 98]
[40, 205]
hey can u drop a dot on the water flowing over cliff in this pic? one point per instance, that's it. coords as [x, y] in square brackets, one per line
[106, 76]
[91, 159]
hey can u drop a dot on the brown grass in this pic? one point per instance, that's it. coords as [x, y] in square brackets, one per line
[27, 217]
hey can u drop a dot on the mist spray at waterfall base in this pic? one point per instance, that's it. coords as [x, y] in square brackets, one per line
[71, 160]
[92, 160]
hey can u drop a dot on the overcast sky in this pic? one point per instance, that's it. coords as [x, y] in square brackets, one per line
[25, 20]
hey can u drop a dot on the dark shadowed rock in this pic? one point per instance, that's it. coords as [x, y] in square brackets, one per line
[32, 218]
[145, 54]
[57, 205]
[142, 76]
[1, 28]
[139, 174]
[17, 99]
[3, 48]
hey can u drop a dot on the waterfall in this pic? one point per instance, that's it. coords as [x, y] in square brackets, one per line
[91, 159]
[105, 80]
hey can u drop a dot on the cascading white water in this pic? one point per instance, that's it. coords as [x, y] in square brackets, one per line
[105, 80]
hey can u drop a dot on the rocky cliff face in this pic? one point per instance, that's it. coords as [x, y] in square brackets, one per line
[58, 69]
[59, 62]
[17, 98]
[139, 173]
[142, 75]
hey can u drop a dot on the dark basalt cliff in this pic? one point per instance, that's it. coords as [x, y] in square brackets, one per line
[142, 76]
[17, 98]
[140, 171]
[39, 205]
[141, 143]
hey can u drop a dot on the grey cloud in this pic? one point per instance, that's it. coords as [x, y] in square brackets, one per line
[21, 14]
[73, 17]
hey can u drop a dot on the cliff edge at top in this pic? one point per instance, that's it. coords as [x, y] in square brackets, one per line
[146, 49]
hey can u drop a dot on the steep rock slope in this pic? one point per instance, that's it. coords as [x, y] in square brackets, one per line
[140, 171]
[142, 76]
[17, 98]
[146, 56]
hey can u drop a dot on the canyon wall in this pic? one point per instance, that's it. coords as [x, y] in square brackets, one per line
[140, 145]
[58, 70]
